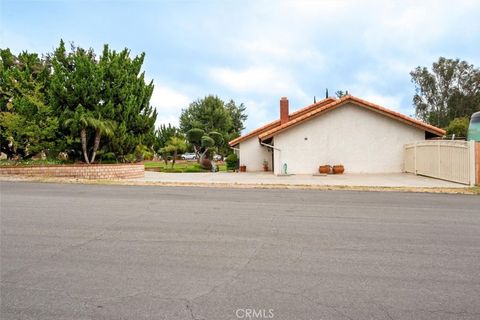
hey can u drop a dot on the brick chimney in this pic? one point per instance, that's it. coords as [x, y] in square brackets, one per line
[283, 110]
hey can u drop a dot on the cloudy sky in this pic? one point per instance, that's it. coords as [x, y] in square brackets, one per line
[257, 51]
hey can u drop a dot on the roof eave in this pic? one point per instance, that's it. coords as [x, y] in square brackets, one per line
[373, 107]
[271, 125]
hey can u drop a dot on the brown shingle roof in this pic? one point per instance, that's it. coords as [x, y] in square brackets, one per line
[359, 102]
[277, 123]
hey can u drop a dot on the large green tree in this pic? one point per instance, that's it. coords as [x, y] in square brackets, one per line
[238, 115]
[451, 89]
[126, 90]
[27, 123]
[102, 101]
[77, 94]
[211, 117]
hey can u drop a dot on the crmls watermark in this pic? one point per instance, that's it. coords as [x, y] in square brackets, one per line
[254, 313]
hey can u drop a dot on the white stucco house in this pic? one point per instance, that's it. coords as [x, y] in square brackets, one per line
[362, 136]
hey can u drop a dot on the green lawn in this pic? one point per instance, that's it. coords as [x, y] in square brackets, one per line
[181, 166]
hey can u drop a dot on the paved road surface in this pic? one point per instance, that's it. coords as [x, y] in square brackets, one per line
[124, 252]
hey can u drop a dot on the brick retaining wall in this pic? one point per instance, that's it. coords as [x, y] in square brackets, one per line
[93, 171]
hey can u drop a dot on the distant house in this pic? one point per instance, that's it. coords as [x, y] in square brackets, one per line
[362, 136]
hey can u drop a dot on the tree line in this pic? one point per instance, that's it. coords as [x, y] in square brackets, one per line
[447, 95]
[73, 102]
[97, 108]
[205, 127]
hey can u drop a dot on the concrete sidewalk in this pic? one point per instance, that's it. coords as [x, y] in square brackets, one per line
[267, 178]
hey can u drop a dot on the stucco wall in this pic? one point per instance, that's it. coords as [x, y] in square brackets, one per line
[360, 139]
[252, 154]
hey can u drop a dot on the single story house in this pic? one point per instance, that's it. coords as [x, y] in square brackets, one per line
[362, 136]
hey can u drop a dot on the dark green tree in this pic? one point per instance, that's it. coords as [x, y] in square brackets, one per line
[125, 89]
[450, 90]
[238, 116]
[103, 101]
[212, 116]
[208, 114]
[77, 94]
[74, 100]
[27, 123]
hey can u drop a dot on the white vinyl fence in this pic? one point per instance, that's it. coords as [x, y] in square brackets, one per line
[443, 159]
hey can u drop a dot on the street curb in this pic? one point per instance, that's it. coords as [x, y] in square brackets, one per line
[466, 190]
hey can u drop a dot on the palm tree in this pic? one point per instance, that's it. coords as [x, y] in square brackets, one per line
[174, 145]
[101, 126]
[81, 121]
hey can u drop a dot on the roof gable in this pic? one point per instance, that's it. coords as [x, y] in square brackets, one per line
[356, 101]
[276, 123]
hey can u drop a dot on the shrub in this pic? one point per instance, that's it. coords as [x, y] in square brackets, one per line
[130, 158]
[232, 162]
[108, 157]
[142, 152]
[148, 156]
[206, 164]
[458, 126]
[30, 162]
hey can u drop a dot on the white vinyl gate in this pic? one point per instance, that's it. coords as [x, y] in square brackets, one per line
[443, 159]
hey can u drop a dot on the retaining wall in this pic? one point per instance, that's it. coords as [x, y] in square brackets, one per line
[92, 171]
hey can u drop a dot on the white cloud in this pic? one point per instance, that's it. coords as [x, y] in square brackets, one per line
[387, 101]
[364, 84]
[269, 82]
[257, 79]
[259, 113]
[258, 51]
[366, 47]
[263, 49]
[163, 118]
[169, 103]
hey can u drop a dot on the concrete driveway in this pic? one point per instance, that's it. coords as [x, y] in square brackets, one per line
[129, 252]
[267, 178]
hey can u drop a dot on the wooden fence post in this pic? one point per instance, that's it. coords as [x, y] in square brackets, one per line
[415, 157]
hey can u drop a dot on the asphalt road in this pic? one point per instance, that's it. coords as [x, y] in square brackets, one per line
[125, 252]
